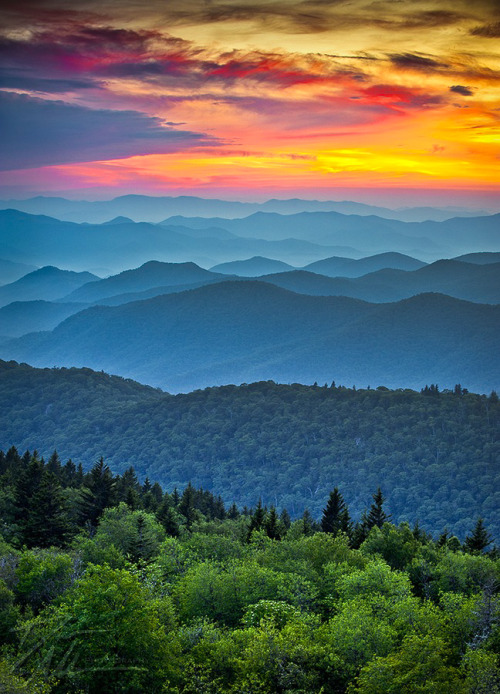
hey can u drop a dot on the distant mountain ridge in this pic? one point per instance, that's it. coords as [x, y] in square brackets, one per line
[235, 332]
[47, 283]
[252, 267]
[43, 240]
[143, 208]
[347, 267]
[147, 276]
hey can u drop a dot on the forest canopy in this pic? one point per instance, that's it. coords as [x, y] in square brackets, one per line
[434, 453]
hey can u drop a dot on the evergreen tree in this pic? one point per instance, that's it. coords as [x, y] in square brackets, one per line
[272, 525]
[149, 502]
[258, 519]
[98, 493]
[285, 520]
[166, 515]
[360, 531]
[233, 512]
[142, 545]
[27, 484]
[443, 538]
[132, 499]
[46, 523]
[478, 540]
[376, 515]
[68, 474]
[157, 493]
[308, 523]
[187, 505]
[336, 515]
[127, 481]
[54, 465]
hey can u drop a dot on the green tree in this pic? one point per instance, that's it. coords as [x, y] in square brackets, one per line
[478, 540]
[98, 494]
[257, 520]
[47, 523]
[104, 636]
[421, 666]
[272, 525]
[336, 517]
[376, 515]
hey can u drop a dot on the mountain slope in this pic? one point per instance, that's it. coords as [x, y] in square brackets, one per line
[479, 258]
[346, 267]
[151, 274]
[480, 284]
[10, 271]
[252, 267]
[44, 240]
[21, 317]
[242, 331]
[434, 455]
[48, 283]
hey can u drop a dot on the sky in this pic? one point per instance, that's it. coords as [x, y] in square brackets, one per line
[386, 101]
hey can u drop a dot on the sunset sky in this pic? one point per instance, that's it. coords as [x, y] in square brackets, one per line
[388, 102]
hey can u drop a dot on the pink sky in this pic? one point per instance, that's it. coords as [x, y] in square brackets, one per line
[388, 102]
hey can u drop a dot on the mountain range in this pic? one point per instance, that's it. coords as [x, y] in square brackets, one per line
[109, 248]
[234, 332]
[23, 313]
[433, 452]
[143, 208]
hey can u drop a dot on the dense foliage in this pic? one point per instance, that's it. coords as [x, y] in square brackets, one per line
[108, 585]
[434, 454]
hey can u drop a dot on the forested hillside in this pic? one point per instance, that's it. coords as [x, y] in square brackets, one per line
[109, 585]
[434, 454]
[244, 331]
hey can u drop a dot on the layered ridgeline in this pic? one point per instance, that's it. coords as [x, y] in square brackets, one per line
[434, 454]
[243, 331]
[296, 239]
[144, 208]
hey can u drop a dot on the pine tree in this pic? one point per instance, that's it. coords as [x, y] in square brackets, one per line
[187, 505]
[336, 515]
[157, 493]
[98, 494]
[142, 546]
[46, 523]
[272, 525]
[376, 515]
[443, 538]
[285, 520]
[54, 465]
[233, 512]
[308, 523]
[166, 515]
[132, 499]
[257, 520]
[26, 485]
[68, 474]
[478, 540]
[127, 481]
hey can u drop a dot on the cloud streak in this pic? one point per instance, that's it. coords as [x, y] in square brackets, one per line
[35, 132]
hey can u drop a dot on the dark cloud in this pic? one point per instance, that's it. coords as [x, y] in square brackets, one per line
[429, 19]
[41, 85]
[413, 61]
[399, 96]
[488, 31]
[459, 89]
[35, 132]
